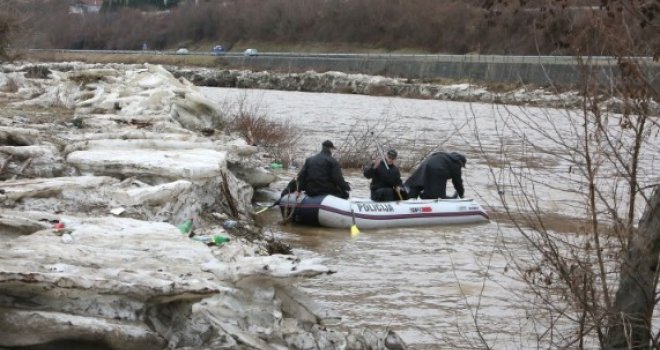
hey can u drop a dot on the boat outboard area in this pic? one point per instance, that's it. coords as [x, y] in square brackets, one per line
[331, 211]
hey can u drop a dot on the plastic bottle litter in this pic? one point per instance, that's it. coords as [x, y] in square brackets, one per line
[186, 226]
[67, 238]
[58, 228]
[211, 240]
[276, 165]
[230, 224]
[70, 223]
[61, 228]
[203, 239]
[219, 240]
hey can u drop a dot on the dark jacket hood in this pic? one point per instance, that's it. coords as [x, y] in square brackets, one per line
[458, 158]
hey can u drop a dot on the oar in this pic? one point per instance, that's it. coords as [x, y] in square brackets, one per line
[380, 151]
[382, 156]
[354, 229]
[398, 191]
[268, 207]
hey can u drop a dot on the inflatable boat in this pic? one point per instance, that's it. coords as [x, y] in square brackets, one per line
[330, 211]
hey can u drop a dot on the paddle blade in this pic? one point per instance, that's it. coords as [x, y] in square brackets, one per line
[268, 207]
[354, 230]
[263, 210]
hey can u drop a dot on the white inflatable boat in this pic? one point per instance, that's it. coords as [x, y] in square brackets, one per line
[330, 211]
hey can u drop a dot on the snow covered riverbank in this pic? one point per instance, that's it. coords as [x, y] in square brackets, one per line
[120, 155]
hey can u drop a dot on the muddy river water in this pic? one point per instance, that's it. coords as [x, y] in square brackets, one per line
[438, 287]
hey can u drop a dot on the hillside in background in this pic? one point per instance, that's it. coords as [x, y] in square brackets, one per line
[426, 26]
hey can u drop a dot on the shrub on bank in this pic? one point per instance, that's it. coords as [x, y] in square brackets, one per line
[278, 138]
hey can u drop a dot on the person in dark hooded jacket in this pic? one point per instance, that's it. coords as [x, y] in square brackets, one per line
[321, 174]
[429, 180]
[385, 179]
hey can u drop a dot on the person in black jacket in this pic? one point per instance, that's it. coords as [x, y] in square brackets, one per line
[385, 180]
[321, 174]
[429, 180]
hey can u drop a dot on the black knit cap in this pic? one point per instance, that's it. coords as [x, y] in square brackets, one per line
[392, 153]
[328, 144]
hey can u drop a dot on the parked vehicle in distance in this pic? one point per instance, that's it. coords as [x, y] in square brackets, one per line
[251, 52]
[182, 51]
[218, 50]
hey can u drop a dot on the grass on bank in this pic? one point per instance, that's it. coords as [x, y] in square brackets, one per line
[174, 60]
[307, 47]
[210, 61]
[319, 48]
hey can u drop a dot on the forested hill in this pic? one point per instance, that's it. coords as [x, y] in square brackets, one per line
[427, 26]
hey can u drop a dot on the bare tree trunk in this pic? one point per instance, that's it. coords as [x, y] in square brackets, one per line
[630, 323]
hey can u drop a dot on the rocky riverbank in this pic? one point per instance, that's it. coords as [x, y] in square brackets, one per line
[99, 166]
[338, 82]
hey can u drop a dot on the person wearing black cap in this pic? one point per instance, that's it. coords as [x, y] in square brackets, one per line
[385, 179]
[321, 174]
[429, 180]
